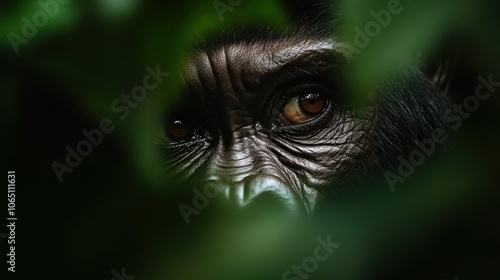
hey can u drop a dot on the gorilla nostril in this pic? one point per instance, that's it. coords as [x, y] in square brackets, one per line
[267, 192]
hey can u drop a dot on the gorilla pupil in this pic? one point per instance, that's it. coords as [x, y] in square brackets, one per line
[312, 103]
[179, 130]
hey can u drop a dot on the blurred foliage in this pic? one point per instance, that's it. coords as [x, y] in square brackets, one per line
[118, 206]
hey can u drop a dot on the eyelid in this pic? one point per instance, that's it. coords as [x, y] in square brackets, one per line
[197, 134]
[197, 137]
[287, 91]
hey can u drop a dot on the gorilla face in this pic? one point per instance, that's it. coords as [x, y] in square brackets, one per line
[270, 117]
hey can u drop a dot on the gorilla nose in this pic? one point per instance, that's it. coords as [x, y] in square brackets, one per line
[263, 192]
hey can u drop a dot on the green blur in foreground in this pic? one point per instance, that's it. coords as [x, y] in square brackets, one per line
[98, 50]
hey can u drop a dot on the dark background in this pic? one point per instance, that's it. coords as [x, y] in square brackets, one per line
[115, 210]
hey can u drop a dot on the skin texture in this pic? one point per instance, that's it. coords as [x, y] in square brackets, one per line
[234, 135]
[234, 94]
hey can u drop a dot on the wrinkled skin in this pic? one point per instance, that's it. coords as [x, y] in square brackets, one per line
[234, 137]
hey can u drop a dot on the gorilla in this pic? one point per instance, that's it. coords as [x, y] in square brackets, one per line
[267, 114]
[272, 120]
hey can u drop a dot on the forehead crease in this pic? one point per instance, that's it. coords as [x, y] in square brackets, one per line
[272, 56]
[251, 60]
[198, 73]
[280, 55]
[216, 71]
[288, 53]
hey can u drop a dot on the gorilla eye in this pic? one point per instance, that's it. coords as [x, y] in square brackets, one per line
[179, 130]
[301, 108]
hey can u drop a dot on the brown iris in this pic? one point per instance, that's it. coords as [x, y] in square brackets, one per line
[302, 108]
[179, 130]
[312, 103]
